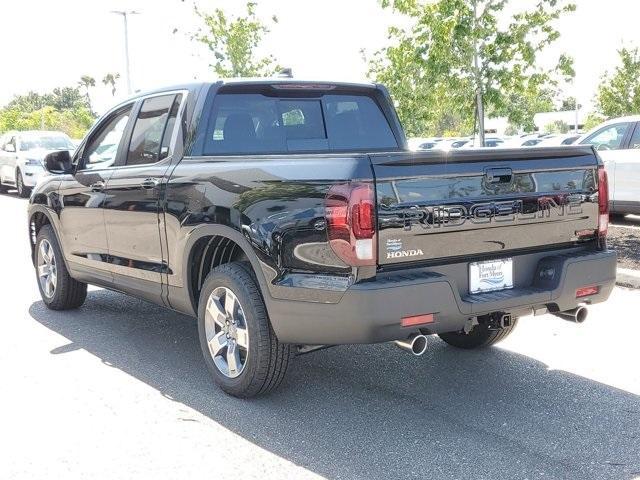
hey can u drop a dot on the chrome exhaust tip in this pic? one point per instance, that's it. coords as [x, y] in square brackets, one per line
[415, 344]
[577, 315]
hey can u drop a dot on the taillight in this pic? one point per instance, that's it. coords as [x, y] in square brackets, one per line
[351, 222]
[603, 202]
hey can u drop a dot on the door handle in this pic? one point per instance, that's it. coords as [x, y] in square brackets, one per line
[97, 187]
[150, 183]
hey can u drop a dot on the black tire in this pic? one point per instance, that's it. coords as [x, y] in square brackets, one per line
[267, 359]
[23, 191]
[479, 337]
[68, 292]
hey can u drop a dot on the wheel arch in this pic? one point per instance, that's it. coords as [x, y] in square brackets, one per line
[212, 245]
[39, 216]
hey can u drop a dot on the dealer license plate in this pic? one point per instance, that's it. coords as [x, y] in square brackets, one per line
[491, 276]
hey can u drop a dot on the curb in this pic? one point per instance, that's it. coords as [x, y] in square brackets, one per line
[625, 277]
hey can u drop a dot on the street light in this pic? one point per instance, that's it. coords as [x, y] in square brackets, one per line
[124, 14]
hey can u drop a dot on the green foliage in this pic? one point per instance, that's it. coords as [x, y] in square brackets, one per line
[619, 93]
[592, 121]
[111, 79]
[429, 67]
[64, 109]
[87, 82]
[569, 104]
[557, 126]
[233, 42]
[511, 130]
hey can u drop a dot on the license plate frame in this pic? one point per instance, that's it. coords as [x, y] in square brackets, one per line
[491, 275]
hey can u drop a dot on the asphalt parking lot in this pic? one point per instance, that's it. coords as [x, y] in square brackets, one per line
[117, 389]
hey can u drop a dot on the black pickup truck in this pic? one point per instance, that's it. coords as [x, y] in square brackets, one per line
[288, 216]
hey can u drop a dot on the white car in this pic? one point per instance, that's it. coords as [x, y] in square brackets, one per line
[558, 140]
[420, 143]
[618, 143]
[452, 143]
[22, 155]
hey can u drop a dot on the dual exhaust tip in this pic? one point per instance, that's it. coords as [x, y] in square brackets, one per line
[577, 315]
[415, 344]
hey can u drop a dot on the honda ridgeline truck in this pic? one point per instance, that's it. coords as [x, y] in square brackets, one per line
[288, 216]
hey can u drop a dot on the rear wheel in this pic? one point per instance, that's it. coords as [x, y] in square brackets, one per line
[239, 346]
[23, 191]
[481, 336]
[58, 290]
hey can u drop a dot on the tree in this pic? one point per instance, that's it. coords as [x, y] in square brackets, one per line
[619, 93]
[111, 79]
[511, 130]
[30, 101]
[67, 98]
[558, 126]
[430, 69]
[64, 109]
[233, 42]
[592, 121]
[87, 82]
[569, 104]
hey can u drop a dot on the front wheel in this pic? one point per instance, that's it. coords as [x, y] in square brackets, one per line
[481, 336]
[23, 190]
[239, 346]
[58, 290]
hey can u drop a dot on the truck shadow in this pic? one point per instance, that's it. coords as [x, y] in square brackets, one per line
[374, 412]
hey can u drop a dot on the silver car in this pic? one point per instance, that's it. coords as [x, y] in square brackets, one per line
[22, 155]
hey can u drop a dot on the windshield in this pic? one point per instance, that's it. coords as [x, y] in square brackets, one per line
[46, 142]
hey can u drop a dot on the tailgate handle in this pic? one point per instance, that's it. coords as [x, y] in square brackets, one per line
[498, 175]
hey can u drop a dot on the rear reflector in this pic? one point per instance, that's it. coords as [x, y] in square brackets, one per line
[603, 202]
[586, 291]
[417, 320]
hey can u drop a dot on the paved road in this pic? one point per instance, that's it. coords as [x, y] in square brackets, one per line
[117, 389]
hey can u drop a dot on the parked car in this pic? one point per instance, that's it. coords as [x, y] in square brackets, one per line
[22, 154]
[555, 140]
[618, 143]
[489, 142]
[452, 143]
[419, 144]
[288, 216]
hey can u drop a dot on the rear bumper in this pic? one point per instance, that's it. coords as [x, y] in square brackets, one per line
[371, 312]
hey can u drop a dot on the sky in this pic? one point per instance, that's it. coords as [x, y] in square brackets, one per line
[48, 43]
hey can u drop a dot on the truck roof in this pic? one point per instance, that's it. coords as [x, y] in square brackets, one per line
[254, 81]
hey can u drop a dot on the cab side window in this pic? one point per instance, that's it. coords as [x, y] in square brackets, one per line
[102, 148]
[153, 129]
[609, 138]
[635, 138]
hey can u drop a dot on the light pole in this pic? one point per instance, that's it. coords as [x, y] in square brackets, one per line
[124, 14]
[478, 78]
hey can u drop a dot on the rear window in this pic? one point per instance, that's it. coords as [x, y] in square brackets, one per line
[255, 123]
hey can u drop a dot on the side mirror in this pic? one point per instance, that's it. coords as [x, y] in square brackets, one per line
[9, 147]
[58, 162]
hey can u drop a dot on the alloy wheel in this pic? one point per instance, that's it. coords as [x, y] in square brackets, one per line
[20, 184]
[227, 332]
[47, 269]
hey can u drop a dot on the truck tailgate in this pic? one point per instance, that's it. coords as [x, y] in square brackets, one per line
[442, 205]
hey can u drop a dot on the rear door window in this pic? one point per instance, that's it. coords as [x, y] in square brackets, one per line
[153, 129]
[255, 123]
